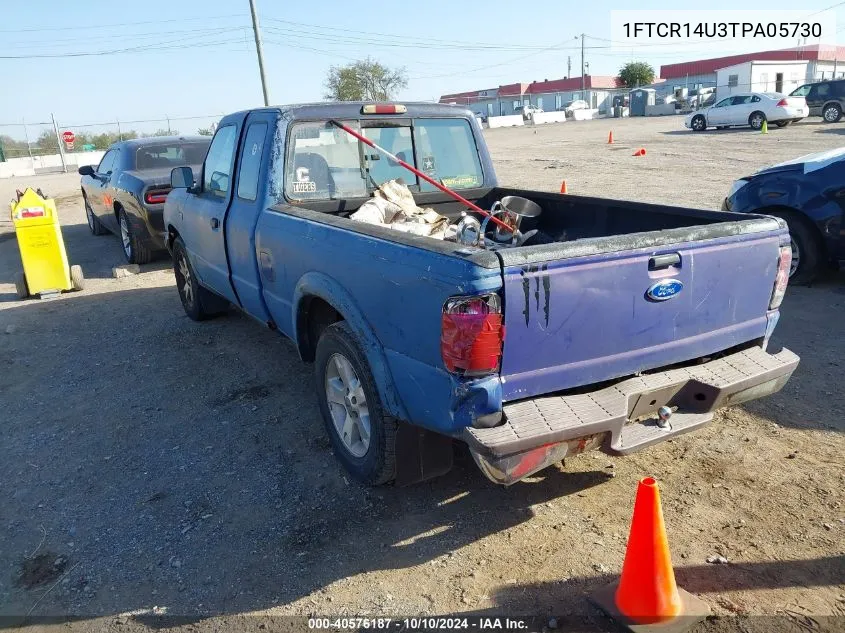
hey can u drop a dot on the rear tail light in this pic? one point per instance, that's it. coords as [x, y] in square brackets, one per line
[783, 103]
[156, 196]
[782, 279]
[472, 334]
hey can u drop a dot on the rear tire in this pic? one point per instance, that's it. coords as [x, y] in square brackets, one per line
[77, 278]
[782, 123]
[198, 302]
[756, 120]
[806, 245]
[832, 113]
[134, 248]
[342, 377]
[94, 225]
[21, 289]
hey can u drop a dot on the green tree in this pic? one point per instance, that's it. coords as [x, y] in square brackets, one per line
[364, 80]
[635, 74]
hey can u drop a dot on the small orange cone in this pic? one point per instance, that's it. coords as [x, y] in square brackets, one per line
[563, 186]
[640, 152]
[610, 137]
[646, 593]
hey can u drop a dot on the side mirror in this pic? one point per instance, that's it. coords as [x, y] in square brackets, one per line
[86, 170]
[181, 178]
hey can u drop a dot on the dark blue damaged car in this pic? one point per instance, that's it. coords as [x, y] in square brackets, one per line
[809, 194]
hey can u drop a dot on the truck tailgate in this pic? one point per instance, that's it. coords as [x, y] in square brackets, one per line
[582, 317]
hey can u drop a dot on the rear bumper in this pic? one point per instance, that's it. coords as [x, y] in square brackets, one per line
[621, 418]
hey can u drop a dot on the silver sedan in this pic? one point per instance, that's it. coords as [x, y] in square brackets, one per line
[749, 108]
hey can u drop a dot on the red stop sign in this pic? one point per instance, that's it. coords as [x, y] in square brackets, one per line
[68, 136]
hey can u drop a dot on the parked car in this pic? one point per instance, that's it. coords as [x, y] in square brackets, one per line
[624, 310]
[125, 193]
[571, 106]
[749, 108]
[824, 98]
[807, 193]
[526, 110]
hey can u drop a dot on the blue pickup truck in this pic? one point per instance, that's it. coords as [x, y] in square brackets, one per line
[627, 324]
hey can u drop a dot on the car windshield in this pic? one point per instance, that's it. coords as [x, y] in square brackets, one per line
[324, 162]
[170, 155]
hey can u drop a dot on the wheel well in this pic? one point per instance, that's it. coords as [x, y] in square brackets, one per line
[830, 103]
[314, 316]
[796, 216]
[117, 207]
[757, 112]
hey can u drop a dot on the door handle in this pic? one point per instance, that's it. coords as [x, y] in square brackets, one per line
[215, 223]
[664, 261]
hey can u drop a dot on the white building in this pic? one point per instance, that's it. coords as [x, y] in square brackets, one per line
[762, 76]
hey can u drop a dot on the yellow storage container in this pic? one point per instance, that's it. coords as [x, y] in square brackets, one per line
[45, 265]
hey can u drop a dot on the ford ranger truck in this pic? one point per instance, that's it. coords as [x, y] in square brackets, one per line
[628, 325]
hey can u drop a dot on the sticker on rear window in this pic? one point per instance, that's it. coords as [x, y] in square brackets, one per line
[304, 187]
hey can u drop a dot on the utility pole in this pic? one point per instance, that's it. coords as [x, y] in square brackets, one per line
[583, 83]
[568, 66]
[259, 50]
[59, 143]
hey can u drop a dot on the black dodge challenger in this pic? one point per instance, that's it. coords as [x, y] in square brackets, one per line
[125, 193]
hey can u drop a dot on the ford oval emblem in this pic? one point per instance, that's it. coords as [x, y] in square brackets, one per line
[665, 289]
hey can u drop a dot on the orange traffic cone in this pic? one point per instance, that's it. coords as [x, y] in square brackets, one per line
[610, 137]
[563, 186]
[640, 152]
[646, 592]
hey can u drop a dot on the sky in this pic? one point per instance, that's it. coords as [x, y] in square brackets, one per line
[101, 61]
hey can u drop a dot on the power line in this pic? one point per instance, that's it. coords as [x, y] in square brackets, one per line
[173, 44]
[109, 26]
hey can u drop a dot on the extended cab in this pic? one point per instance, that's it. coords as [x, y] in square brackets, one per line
[627, 325]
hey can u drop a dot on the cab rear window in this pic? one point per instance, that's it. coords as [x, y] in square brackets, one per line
[326, 163]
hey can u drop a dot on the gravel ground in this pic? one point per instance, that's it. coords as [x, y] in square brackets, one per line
[152, 465]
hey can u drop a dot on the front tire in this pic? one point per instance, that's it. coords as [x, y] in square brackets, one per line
[832, 113]
[807, 250]
[362, 435]
[756, 120]
[698, 123]
[94, 225]
[134, 248]
[195, 299]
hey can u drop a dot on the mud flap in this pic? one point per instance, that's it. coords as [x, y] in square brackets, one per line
[421, 454]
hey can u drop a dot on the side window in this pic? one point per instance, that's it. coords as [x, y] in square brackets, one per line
[801, 92]
[107, 163]
[251, 161]
[217, 170]
[823, 90]
[839, 88]
[723, 103]
[755, 99]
